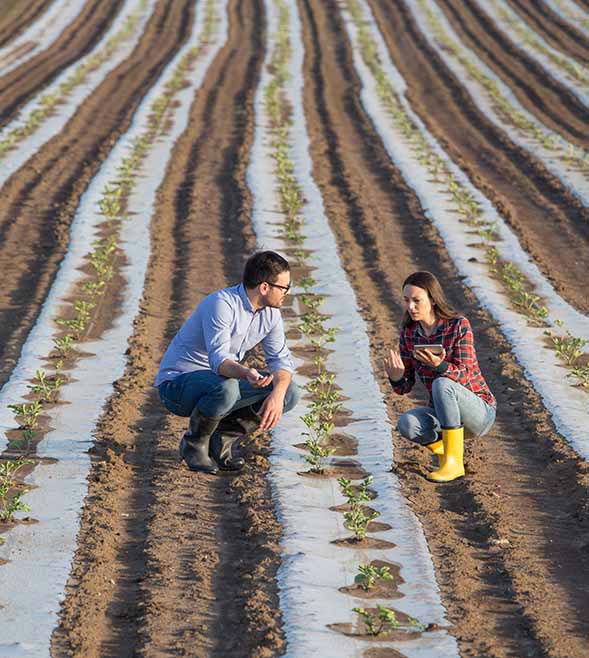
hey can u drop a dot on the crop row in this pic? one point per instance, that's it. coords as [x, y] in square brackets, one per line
[102, 264]
[576, 71]
[568, 153]
[517, 287]
[325, 396]
[49, 102]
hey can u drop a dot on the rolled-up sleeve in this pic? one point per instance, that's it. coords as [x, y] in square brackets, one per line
[275, 349]
[217, 333]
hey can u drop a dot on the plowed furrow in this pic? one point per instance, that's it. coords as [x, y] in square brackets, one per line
[543, 96]
[20, 84]
[559, 33]
[17, 15]
[503, 559]
[194, 564]
[547, 218]
[39, 201]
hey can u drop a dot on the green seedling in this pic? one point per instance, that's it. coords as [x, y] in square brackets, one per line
[318, 456]
[383, 621]
[46, 387]
[568, 348]
[29, 413]
[581, 374]
[9, 505]
[369, 575]
[356, 495]
[357, 520]
[64, 345]
[24, 444]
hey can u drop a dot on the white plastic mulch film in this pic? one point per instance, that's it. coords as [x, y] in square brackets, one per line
[314, 567]
[39, 555]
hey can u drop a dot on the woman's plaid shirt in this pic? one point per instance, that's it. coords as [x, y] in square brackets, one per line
[460, 363]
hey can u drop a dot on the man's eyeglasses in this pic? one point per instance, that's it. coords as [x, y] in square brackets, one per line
[283, 288]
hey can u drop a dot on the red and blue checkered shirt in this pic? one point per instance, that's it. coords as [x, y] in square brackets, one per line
[460, 363]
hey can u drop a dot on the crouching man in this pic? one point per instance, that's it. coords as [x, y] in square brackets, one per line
[201, 376]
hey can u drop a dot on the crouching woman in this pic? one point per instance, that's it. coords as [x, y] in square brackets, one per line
[459, 396]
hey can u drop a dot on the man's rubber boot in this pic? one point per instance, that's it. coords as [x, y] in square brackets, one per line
[194, 446]
[241, 421]
[220, 449]
[453, 468]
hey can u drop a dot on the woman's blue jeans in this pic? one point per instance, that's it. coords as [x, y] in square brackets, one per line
[454, 405]
[216, 396]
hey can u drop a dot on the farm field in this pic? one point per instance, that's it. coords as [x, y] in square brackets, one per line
[147, 148]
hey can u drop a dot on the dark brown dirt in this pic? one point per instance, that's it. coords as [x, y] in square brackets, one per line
[17, 15]
[548, 220]
[38, 202]
[559, 33]
[172, 562]
[19, 85]
[553, 103]
[524, 596]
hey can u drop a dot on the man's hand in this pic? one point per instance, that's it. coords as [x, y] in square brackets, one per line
[271, 410]
[257, 380]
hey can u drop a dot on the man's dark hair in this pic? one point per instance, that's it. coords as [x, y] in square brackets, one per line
[263, 266]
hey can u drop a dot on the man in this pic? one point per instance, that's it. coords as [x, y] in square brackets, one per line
[201, 375]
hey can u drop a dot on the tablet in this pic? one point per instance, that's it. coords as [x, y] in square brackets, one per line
[434, 348]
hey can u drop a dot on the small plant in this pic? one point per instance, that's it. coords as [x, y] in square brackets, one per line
[383, 621]
[29, 413]
[568, 348]
[318, 456]
[46, 387]
[64, 345]
[9, 505]
[357, 520]
[369, 575]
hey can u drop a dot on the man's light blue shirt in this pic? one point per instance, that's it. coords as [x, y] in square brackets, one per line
[225, 326]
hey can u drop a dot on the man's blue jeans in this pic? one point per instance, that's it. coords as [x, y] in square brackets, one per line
[454, 405]
[216, 396]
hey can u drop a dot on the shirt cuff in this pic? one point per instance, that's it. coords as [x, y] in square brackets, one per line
[441, 369]
[398, 382]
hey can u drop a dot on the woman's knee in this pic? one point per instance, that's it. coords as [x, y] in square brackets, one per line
[407, 426]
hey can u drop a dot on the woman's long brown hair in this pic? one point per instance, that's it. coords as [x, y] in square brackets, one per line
[429, 282]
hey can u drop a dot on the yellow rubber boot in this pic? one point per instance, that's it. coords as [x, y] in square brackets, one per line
[453, 466]
[437, 447]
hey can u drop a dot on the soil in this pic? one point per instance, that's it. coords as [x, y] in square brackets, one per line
[39, 201]
[80, 36]
[17, 15]
[547, 219]
[559, 33]
[171, 562]
[521, 598]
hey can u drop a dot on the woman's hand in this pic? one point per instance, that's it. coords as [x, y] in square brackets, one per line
[429, 358]
[394, 366]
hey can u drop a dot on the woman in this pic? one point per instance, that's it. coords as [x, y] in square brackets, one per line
[459, 395]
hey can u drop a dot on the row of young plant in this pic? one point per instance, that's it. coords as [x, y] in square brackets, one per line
[573, 14]
[577, 71]
[326, 399]
[49, 102]
[102, 265]
[519, 289]
[566, 152]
